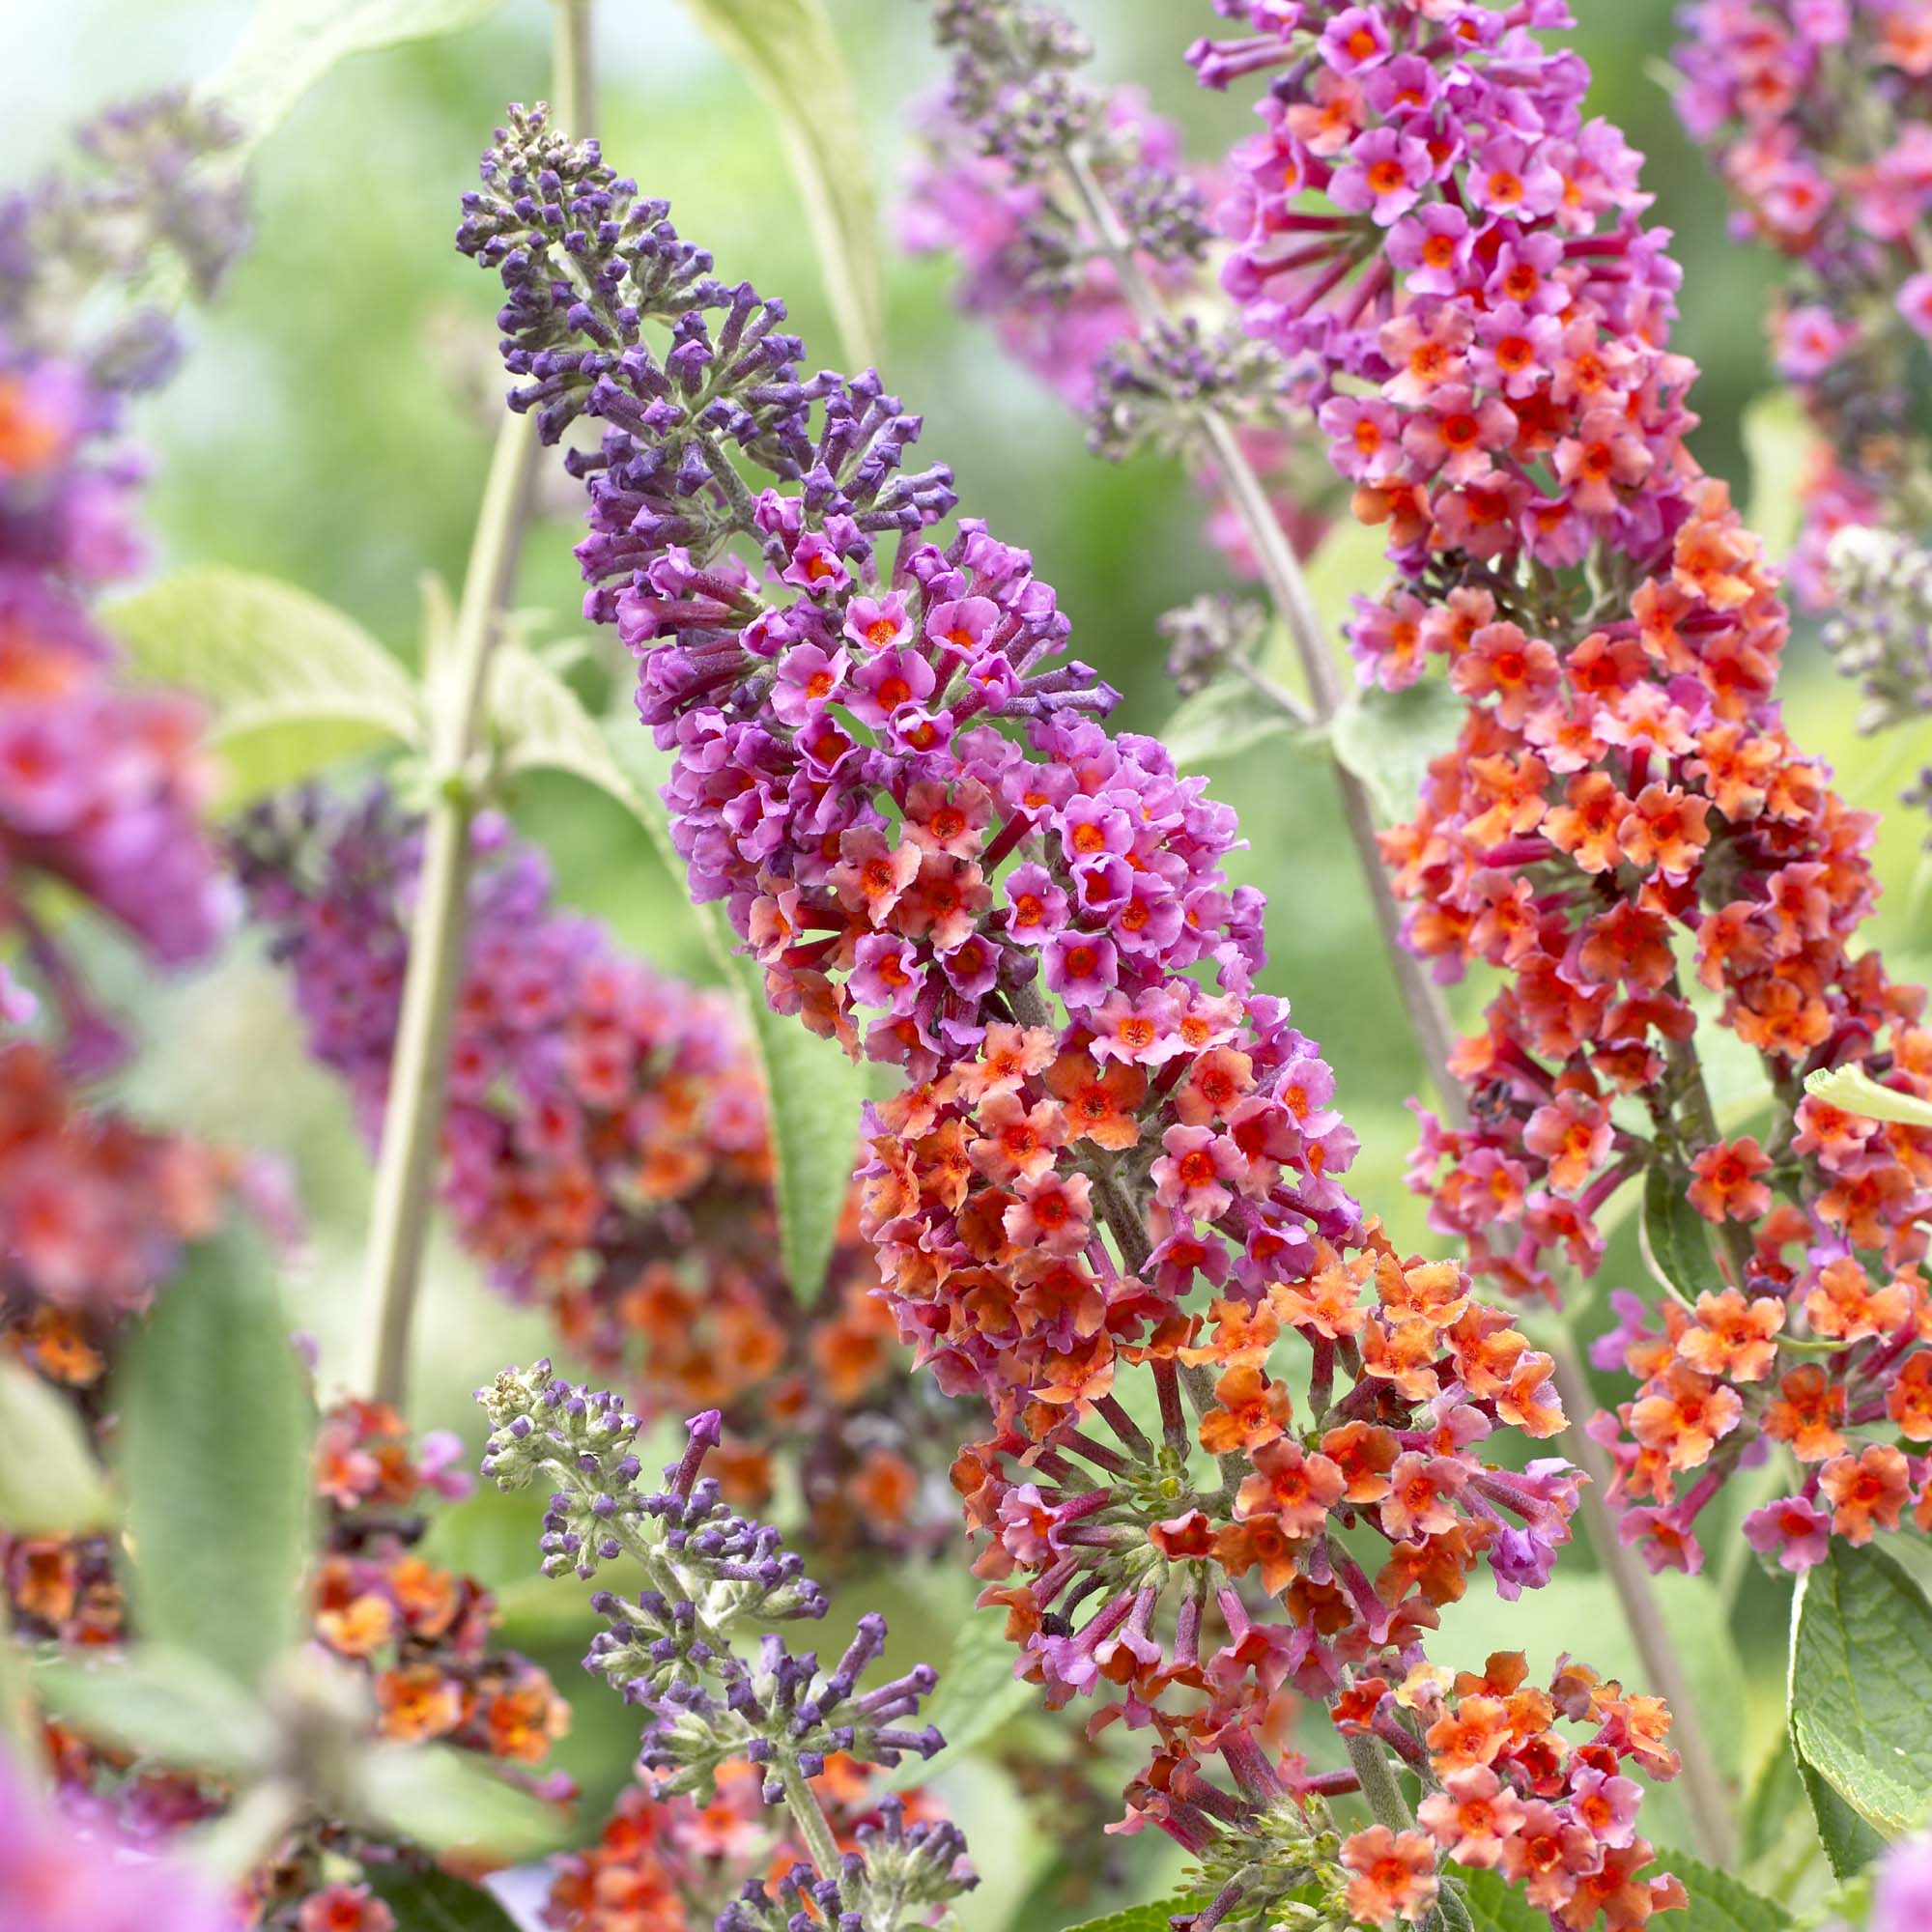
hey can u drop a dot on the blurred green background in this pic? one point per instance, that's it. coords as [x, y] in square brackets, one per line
[331, 427]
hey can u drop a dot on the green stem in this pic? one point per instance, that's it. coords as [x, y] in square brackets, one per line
[809, 1815]
[412, 1121]
[1368, 1757]
[20, 1715]
[1428, 1016]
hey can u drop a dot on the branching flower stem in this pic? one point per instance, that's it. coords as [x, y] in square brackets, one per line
[1427, 1017]
[406, 1164]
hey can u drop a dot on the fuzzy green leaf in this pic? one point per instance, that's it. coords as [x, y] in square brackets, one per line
[790, 52]
[1494, 1905]
[977, 1694]
[293, 686]
[50, 1483]
[289, 45]
[1152, 1917]
[435, 1901]
[1719, 1903]
[1222, 721]
[1861, 1686]
[1390, 738]
[161, 1702]
[1675, 1239]
[1853, 1090]
[1850, 1843]
[446, 1800]
[214, 1458]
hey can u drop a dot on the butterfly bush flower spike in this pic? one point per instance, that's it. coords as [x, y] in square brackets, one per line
[1112, 1178]
[1625, 830]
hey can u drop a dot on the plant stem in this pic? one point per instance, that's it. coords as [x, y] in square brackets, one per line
[1384, 1795]
[1429, 1021]
[809, 1815]
[454, 687]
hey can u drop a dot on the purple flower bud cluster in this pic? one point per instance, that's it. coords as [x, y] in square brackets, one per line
[100, 785]
[918, 1867]
[673, 1649]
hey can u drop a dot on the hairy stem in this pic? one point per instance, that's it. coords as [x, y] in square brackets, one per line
[809, 1815]
[406, 1163]
[1428, 1015]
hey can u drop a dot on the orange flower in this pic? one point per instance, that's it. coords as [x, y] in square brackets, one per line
[524, 1721]
[1100, 1101]
[1845, 1306]
[1418, 1503]
[1330, 1303]
[1727, 1181]
[1264, 1541]
[1394, 1876]
[1253, 1411]
[1586, 825]
[1665, 831]
[1807, 1414]
[419, 1703]
[1288, 1484]
[1909, 1399]
[1684, 1415]
[1867, 1493]
[1473, 1733]
[1732, 1337]
[1365, 1455]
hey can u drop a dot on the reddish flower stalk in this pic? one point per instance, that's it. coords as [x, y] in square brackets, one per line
[1624, 810]
[1107, 1185]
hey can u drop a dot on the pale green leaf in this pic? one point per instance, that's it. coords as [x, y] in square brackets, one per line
[1390, 738]
[1221, 721]
[161, 1702]
[1861, 1686]
[1853, 1090]
[214, 1458]
[1850, 1843]
[448, 1801]
[293, 686]
[790, 52]
[1779, 443]
[1719, 1902]
[289, 45]
[978, 1694]
[1495, 1905]
[436, 1901]
[1674, 1239]
[50, 1483]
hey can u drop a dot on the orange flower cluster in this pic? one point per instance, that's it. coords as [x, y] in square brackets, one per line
[607, 1154]
[1513, 1792]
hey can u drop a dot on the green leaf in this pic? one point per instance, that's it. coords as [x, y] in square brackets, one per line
[161, 1702]
[1221, 721]
[214, 1458]
[434, 1901]
[291, 44]
[1850, 1843]
[1495, 1905]
[1675, 1239]
[446, 1800]
[790, 53]
[1152, 1917]
[1719, 1903]
[977, 1694]
[1390, 738]
[50, 1483]
[814, 1090]
[1778, 443]
[1861, 1686]
[1853, 1090]
[293, 686]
